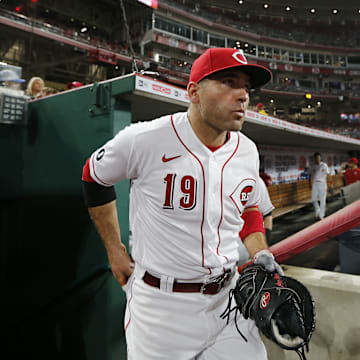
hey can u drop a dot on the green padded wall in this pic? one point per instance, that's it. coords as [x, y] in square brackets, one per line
[58, 298]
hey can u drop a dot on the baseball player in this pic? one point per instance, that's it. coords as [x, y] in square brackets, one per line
[319, 172]
[194, 188]
[352, 173]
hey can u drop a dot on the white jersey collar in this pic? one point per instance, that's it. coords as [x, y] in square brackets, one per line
[190, 140]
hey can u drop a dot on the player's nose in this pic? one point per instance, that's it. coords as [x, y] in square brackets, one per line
[241, 94]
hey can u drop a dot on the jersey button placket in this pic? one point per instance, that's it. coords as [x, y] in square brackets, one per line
[211, 208]
[214, 200]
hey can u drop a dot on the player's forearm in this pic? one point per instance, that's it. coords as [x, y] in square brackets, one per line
[106, 221]
[255, 242]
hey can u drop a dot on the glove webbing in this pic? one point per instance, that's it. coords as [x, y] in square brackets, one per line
[228, 310]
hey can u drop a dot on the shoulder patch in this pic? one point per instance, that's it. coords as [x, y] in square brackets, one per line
[242, 192]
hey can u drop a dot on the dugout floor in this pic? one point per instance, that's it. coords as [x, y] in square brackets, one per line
[325, 256]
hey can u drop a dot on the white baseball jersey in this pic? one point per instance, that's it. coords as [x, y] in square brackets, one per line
[265, 204]
[319, 172]
[185, 200]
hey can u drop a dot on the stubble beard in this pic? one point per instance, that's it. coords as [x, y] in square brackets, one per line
[211, 119]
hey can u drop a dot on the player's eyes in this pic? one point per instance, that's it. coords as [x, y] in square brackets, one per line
[231, 82]
[228, 81]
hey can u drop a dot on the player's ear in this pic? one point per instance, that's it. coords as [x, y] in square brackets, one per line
[193, 89]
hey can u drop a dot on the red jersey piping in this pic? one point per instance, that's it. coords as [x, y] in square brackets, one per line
[131, 296]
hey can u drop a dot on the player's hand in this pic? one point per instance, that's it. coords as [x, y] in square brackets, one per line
[121, 266]
[267, 260]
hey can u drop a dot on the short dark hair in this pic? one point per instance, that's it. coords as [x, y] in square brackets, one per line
[317, 154]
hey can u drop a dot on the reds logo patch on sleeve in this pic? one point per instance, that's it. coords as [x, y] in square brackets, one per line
[242, 193]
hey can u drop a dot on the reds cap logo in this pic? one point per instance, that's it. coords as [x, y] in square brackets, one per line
[239, 57]
[265, 299]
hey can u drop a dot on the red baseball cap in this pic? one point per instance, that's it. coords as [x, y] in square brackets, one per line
[353, 160]
[74, 84]
[217, 59]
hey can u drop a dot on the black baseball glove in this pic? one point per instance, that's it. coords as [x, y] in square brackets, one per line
[282, 307]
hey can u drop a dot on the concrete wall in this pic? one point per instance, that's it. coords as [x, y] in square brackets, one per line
[337, 305]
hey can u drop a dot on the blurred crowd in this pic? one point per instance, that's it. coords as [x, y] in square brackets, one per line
[35, 88]
[344, 127]
[56, 27]
[289, 28]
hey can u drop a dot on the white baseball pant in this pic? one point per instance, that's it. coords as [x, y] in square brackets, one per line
[319, 194]
[160, 324]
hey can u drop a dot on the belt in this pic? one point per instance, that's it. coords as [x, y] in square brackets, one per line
[210, 288]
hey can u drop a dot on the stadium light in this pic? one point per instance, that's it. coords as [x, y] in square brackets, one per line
[288, 8]
[84, 29]
[335, 11]
[266, 6]
[308, 96]
[241, 2]
[312, 10]
[272, 101]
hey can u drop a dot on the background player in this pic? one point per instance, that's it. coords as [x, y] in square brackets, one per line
[319, 172]
[352, 173]
[194, 188]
